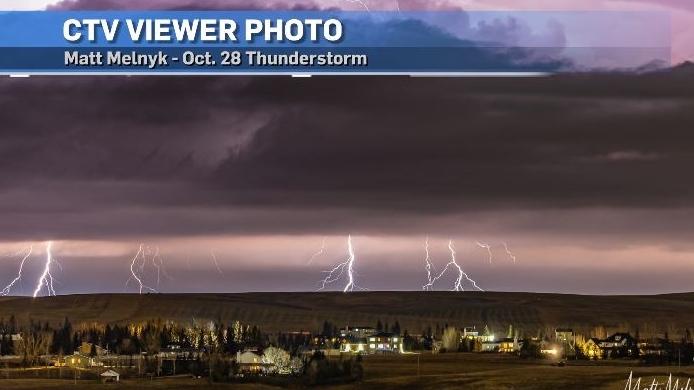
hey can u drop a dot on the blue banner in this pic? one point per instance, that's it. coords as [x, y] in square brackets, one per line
[266, 42]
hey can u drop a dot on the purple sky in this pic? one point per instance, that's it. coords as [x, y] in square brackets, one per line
[583, 177]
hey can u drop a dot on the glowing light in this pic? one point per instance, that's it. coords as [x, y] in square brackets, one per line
[320, 251]
[337, 271]
[458, 284]
[488, 248]
[134, 276]
[511, 255]
[460, 269]
[430, 284]
[46, 279]
[26, 252]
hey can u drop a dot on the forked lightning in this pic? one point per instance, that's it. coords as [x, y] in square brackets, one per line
[46, 279]
[337, 271]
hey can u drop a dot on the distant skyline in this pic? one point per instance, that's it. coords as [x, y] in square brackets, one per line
[238, 182]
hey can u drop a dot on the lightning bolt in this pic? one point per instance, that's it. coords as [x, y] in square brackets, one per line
[430, 285]
[509, 253]
[216, 264]
[488, 248]
[458, 284]
[320, 251]
[461, 272]
[46, 279]
[26, 252]
[337, 271]
[133, 275]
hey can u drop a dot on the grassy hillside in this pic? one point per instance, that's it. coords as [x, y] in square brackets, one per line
[414, 310]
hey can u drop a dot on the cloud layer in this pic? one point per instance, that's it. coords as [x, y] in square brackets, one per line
[250, 150]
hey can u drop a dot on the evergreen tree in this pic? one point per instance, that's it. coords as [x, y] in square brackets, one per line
[396, 328]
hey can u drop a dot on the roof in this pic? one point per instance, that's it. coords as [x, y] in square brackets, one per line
[620, 336]
[110, 373]
[383, 334]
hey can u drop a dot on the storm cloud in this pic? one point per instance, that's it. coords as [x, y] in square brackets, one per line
[280, 155]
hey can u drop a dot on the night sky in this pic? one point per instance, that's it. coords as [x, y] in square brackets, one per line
[584, 177]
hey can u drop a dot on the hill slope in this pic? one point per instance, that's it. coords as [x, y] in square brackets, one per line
[414, 310]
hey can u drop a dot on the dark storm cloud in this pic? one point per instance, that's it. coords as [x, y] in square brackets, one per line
[566, 141]
[117, 156]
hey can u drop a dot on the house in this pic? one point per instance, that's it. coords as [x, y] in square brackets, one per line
[654, 346]
[591, 348]
[490, 346]
[618, 345]
[356, 332]
[78, 361]
[110, 376]
[384, 342]
[619, 340]
[354, 346]
[250, 362]
[470, 333]
[487, 335]
[379, 342]
[509, 345]
[564, 335]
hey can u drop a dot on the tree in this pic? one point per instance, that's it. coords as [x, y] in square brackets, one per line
[279, 358]
[33, 344]
[296, 365]
[396, 328]
[451, 339]
[598, 332]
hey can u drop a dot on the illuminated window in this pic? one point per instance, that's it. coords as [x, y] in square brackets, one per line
[372, 339]
[372, 346]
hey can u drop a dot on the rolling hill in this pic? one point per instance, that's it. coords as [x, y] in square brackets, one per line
[414, 311]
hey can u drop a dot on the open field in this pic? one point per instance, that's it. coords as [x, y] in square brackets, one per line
[415, 311]
[435, 372]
